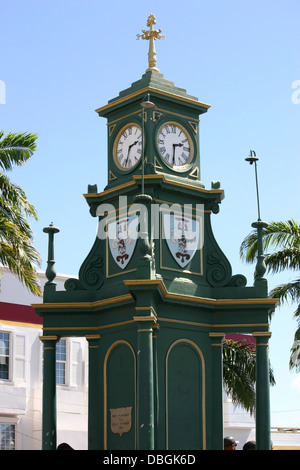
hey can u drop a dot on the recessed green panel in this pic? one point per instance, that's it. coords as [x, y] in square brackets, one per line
[120, 397]
[184, 397]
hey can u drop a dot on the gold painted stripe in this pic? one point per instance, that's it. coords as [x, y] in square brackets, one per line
[250, 325]
[97, 303]
[144, 318]
[153, 313]
[261, 333]
[123, 117]
[210, 325]
[161, 177]
[150, 89]
[48, 338]
[166, 294]
[183, 185]
[21, 324]
[94, 328]
[165, 111]
[192, 298]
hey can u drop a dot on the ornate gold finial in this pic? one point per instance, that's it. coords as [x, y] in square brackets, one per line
[151, 36]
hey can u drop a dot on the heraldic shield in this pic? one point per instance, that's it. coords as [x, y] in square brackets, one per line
[182, 235]
[122, 234]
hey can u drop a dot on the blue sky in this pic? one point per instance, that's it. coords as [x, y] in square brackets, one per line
[62, 59]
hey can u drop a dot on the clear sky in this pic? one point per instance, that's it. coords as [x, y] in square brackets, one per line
[62, 59]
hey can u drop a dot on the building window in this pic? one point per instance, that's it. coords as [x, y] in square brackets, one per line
[69, 362]
[7, 437]
[61, 362]
[4, 355]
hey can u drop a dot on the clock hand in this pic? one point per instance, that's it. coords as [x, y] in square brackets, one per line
[175, 145]
[129, 148]
[173, 160]
[134, 143]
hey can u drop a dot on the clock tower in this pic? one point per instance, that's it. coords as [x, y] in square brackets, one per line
[156, 295]
[155, 118]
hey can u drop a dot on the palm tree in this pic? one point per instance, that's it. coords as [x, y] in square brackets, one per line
[239, 361]
[16, 238]
[284, 238]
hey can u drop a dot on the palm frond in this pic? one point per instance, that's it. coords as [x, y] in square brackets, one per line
[294, 362]
[287, 258]
[16, 149]
[285, 292]
[16, 238]
[277, 235]
[239, 364]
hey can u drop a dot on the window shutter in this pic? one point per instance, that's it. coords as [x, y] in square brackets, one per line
[19, 358]
[76, 363]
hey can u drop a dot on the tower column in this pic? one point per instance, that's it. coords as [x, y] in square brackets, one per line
[49, 430]
[263, 426]
[217, 386]
[95, 415]
[145, 383]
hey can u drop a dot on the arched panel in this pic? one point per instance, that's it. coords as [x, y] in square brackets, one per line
[120, 397]
[185, 396]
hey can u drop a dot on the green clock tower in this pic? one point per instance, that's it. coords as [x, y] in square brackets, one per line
[155, 295]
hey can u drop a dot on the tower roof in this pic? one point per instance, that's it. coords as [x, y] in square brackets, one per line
[153, 82]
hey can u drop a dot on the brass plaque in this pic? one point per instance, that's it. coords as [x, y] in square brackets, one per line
[120, 420]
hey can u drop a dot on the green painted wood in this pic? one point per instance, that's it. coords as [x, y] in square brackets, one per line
[154, 328]
[184, 396]
[49, 418]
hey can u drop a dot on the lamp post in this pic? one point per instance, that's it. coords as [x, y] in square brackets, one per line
[144, 200]
[146, 105]
[253, 159]
[259, 225]
[50, 271]
[263, 434]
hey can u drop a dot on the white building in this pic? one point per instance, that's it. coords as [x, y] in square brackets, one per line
[21, 362]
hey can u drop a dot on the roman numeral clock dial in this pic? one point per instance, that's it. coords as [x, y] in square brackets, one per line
[175, 146]
[127, 149]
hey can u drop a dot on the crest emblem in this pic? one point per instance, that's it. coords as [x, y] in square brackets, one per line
[182, 236]
[122, 236]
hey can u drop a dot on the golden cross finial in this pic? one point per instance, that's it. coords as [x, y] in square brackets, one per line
[151, 36]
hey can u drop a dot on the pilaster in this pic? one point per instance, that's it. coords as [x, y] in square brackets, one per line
[49, 425]
[95, 410]
[145, 380]
[217, 385]
[263, 424]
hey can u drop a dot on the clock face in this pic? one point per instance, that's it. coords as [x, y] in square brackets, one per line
[128, 147]
[175, 145]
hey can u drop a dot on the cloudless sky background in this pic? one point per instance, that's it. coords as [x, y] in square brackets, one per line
[62, 59]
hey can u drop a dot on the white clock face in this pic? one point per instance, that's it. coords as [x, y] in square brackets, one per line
[128, 146]
[175, 145]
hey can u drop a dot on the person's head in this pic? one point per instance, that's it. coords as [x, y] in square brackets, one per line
[230, 443]
[64, 446]
[250, 445]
